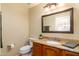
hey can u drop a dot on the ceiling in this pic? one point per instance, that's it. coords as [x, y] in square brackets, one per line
[30, 5]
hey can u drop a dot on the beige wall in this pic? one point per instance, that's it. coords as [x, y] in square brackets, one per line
[0, 6]
[35, 21]
[15, 25]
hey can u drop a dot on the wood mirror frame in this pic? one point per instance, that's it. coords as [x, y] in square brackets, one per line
[71, 22]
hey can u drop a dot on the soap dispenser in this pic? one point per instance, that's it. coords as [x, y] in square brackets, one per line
[40, 36]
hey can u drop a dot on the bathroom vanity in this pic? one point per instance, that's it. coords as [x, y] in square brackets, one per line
[42, 48]
[58, 22]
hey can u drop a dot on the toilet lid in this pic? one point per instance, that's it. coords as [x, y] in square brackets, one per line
[25, 48]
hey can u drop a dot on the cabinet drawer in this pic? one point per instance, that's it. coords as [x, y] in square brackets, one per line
[50, 51]
[37, 49]
[68, 53]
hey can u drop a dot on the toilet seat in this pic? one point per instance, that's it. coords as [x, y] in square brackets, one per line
[25, 49]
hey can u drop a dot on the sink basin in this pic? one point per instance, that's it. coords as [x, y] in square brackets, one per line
[52, 42]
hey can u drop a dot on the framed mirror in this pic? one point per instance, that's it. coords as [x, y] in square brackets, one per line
[59, 22]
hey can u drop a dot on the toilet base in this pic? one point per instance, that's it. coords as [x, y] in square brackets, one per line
[26, 54]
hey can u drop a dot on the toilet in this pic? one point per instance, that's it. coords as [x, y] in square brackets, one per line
[26, 49]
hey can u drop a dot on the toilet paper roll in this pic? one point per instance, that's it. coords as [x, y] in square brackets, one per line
[12, 45]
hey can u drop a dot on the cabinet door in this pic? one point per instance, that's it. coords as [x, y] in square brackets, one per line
[50, 51]
[37, 49]
[68, 53]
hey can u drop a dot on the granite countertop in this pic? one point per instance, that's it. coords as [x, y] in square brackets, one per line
[44, 41]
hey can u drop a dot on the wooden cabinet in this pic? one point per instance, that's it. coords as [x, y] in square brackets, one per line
[44, 50]
[37, 49]
[68, 53]
[50, 51]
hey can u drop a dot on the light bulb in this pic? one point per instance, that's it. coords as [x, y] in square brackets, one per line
[53, 7]
[46, 9]
[60, 4]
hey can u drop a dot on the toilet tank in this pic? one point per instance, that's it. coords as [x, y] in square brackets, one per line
[30, 41]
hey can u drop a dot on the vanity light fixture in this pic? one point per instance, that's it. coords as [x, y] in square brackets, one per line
[50, 6]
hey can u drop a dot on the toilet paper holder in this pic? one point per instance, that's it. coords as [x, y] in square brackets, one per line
[11, 46]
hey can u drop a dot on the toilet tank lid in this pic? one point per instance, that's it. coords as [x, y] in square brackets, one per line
[24, 48]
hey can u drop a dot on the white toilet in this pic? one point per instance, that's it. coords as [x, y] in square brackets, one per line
[26, 49]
